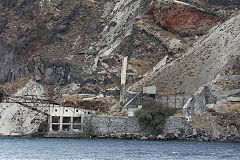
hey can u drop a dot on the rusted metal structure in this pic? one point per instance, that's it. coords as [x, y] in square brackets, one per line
[29, 101]
[37, 104]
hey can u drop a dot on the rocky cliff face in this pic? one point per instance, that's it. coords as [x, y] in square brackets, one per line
[76, 47]
[201, 63]
[58, 42]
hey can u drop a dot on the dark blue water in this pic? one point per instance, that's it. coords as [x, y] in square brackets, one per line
[88, 149]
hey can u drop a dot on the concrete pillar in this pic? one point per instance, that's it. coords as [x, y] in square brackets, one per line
[71, 127]
[122, 95]
[50, 123]
[123, 79]
[82, 117]
[61, 123]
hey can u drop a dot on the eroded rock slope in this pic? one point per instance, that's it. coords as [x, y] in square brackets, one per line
[76, 47]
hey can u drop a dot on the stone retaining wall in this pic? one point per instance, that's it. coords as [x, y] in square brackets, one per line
[174, 123]
[111, 125]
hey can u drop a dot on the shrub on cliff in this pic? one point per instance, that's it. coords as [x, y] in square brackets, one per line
[153, 115]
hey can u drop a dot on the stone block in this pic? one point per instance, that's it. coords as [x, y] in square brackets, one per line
[149, 90]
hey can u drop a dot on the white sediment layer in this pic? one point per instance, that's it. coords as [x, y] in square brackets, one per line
[15, 118]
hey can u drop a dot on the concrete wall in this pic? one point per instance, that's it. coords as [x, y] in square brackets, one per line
[107, 125]
[176, 101]
[65, 111]
[197, 104]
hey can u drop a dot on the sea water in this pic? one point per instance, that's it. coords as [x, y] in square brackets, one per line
[111, 149]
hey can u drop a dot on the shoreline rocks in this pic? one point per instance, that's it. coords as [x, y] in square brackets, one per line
[137, 136]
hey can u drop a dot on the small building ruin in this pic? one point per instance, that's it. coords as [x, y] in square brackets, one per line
[65, 119]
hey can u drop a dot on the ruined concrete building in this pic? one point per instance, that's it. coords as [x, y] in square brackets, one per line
[65, 119]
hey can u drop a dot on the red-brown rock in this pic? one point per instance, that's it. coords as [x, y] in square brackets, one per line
[183, 20]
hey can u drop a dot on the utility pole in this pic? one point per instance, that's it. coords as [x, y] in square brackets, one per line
[123, 79]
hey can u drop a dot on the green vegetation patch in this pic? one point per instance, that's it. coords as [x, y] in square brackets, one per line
[153, 115]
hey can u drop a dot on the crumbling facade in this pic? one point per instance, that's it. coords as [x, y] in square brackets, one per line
[65, 119]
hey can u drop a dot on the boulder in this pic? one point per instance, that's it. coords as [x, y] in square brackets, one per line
[160, 137]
